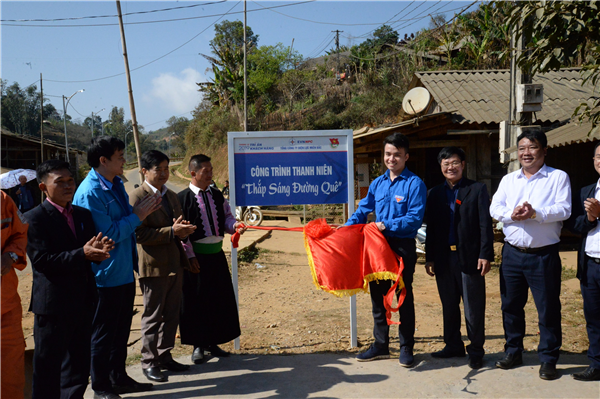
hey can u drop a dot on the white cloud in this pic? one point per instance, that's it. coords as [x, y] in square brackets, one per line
[177, 93]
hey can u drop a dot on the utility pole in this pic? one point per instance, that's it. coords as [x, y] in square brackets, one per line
[518, 76]
[41, 120]
[337, 45]
[131, 103]
[245, 74]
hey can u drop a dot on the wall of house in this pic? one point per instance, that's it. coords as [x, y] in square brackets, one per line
[576, 160]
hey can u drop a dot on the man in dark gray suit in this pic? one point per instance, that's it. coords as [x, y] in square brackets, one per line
[586, 210]
[62, 244]
[459, 249]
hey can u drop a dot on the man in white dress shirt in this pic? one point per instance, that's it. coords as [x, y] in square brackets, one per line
[532, 204]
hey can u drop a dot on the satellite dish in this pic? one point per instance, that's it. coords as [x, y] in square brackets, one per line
[416, 101]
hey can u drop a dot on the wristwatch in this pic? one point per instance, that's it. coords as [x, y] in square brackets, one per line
[13, 256]
[534, 215]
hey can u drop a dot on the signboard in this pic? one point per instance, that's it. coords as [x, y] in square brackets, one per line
[286, 168]
[291, 168]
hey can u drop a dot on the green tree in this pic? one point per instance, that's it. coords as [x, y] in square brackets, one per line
[226, 88]
[266, 66]
[97, 124]
[176, 127]
[117, 126]
[562, 34]
[20, 109]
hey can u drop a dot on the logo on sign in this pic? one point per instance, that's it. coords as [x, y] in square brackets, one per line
[334, 142]
[292, 141]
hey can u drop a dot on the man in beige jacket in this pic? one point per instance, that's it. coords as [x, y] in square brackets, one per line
[161, 262]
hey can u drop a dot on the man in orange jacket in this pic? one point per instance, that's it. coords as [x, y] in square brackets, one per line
[14, 242]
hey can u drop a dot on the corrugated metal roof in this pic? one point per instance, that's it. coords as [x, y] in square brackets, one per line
[482, 96]
[368, 131]
[571, 133]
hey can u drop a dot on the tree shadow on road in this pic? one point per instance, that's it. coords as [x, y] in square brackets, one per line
[298, 376]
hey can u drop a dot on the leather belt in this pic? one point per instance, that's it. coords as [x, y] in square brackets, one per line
[531, 250]
[452, 248]
[596, 260]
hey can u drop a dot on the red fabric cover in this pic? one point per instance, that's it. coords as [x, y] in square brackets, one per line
[343, 261]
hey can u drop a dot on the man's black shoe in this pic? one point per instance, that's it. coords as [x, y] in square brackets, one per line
[198, 355]
[509, 361]
[548, 371]
[172, 365]
[448, 353]
[106, 395]
[589, 374]
[154, 374]
[217, 352]
[129, 385]
[475, 362]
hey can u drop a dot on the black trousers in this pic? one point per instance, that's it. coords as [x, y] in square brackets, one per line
[591, 309]
[541, 272]
[110, 334]
[61, 359]
[405, 247]
[453, 285]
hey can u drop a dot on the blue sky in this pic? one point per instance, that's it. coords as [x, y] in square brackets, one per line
[86, 55]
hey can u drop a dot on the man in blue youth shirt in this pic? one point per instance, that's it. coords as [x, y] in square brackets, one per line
[103, 193]
[398, 200]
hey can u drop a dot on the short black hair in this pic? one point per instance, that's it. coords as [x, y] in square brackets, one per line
[196, 161]
[398, 140]
[153, 158]
[49, 166]
[449, 152]
[103, 146]
[596, 147]
[534, 135]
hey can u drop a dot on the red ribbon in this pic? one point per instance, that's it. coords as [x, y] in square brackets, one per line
[235, 237]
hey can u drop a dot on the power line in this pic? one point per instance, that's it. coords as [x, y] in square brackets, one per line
[422, 37]
[111, 16]
[396, 21]
[335, 23]
[83, 116]
[424, 16]
[156, 21]
[315, 54]
[416, 19]
[148, 63]
[317, 50]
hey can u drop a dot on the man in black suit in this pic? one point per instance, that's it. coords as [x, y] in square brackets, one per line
[459, 249]
[584, 220]
[62, 243]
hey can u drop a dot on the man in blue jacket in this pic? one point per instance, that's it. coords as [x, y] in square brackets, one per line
[398, 199]
[103, 193]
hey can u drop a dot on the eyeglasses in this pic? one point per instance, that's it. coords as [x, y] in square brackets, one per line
[596, 158]
[454, 164]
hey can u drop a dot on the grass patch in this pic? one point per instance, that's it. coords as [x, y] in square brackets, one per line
[248, 254]
[568, 273]
[133, 359]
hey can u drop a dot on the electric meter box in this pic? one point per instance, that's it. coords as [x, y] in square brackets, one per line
[530, 97]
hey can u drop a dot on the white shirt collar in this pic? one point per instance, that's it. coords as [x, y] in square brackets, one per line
[196, 190]
[154, 189]
[543, 172]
